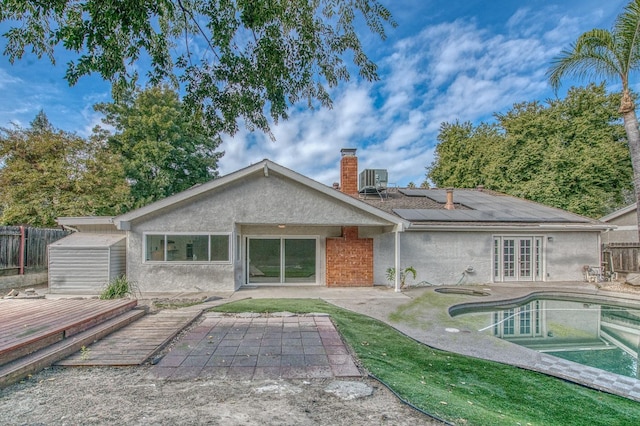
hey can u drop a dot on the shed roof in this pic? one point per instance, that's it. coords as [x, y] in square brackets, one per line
[88, 240]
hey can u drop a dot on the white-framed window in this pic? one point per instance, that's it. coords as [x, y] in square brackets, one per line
[187, 247]
[518, 258]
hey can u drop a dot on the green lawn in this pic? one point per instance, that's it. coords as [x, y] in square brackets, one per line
[459, 389]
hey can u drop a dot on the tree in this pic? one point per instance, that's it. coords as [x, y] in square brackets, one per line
[235, 58]
[47, 173]
[164, 149]
[463, 155]
[614, 54]
[570, 153]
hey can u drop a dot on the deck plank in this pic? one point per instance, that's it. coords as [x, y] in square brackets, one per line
[29, 325]
[136, 343]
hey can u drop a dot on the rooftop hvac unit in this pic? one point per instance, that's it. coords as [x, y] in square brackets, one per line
[375, 179]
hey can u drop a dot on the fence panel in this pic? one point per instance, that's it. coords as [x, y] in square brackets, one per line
[622, 257]
[35, 249]
[36, 246]
[9, 247]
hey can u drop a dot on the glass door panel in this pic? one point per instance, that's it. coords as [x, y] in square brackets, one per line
[281, 260]
[264, 260]
[517, 259]
[300, 260]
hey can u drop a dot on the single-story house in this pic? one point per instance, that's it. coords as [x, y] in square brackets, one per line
[268, 225]
[626, 225]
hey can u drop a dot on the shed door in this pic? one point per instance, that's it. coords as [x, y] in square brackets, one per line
[281, 260]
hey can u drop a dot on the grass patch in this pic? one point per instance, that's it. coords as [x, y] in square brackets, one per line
[118, 288]
[460, 389]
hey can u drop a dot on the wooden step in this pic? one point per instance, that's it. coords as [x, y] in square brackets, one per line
[36, 361]
[136, 343]
[27, 326]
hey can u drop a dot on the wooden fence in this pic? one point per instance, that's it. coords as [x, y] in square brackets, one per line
[621, 257]
[34, 242]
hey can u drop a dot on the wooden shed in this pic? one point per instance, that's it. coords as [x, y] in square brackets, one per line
[83, 263]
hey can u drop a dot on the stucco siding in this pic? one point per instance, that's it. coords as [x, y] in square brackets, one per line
[443, 257]
[568, 252]
[626, 231]
[255, 206]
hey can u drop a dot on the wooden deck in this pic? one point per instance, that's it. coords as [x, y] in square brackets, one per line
[34, 333]
[134, 344]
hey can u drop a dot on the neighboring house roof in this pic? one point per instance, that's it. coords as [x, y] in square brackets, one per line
[264, 167]
[88, 240]
[620, 212]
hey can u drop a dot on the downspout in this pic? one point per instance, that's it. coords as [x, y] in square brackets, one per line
[397, 232]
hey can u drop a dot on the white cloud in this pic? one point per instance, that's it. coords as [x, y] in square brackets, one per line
[8, 79]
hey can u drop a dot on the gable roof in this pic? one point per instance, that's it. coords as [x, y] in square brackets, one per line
[264, 167]
[619, 212]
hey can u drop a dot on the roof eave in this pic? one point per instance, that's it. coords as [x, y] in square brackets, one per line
[123, 222]
[502, 227]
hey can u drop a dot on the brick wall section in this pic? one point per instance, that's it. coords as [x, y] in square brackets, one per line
[349, 172]
[349, 260]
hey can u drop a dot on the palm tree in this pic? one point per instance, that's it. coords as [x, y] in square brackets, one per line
[601, 54]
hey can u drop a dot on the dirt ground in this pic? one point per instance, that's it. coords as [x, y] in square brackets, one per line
[73, 396]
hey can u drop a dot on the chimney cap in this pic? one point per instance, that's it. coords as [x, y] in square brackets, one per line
[348, 152]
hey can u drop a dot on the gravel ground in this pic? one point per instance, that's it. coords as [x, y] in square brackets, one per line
[74, 396]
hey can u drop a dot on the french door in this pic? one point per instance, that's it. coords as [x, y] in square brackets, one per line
[517, 258]
[276, 260]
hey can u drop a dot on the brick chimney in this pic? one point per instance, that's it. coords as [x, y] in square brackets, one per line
[449, 205]
[349, 172]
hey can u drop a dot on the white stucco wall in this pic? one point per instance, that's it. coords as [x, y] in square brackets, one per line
[440, 257]
[253, 206]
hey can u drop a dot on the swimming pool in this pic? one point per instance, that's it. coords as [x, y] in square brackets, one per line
[597, 334]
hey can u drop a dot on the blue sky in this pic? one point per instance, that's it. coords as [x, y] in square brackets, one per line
[446, 61]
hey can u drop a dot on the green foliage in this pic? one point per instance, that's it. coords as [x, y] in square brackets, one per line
[164, 149]
[613, 54]
[235, 59]
[47, 173]
[118, 288]
[391, 275]
[569, 153]
[456, 388]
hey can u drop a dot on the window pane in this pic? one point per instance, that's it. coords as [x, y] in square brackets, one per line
[300, 260]
[496, 259]
[264, 260]
[187, 248]
[155, 247]
[509, 258]
[220, 248]
[525, 258]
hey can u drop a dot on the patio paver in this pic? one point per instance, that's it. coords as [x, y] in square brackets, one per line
[298, 347]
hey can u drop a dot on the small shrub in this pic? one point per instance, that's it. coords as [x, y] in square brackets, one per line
[391, 275]
[118, 288]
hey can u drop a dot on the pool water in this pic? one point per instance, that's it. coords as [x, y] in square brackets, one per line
[601, 336]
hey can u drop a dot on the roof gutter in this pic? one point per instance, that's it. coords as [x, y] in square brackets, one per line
[530, 227]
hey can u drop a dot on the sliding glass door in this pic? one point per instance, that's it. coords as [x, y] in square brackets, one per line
[281, 260]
